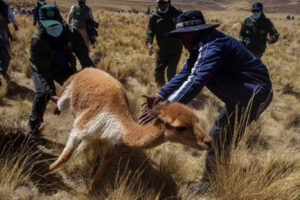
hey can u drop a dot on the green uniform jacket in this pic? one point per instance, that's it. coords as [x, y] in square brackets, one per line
[254, 33]
[81, 15]
[42, 60]
[159, 25]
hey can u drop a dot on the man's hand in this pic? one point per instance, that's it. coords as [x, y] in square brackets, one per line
[270, 41]
[10, 37]
[56, 111]
[54, 99]
[151, 101]
[16, 27]
[145, 118]
[150, 49]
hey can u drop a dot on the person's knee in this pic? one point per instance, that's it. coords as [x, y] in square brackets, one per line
[41, 96]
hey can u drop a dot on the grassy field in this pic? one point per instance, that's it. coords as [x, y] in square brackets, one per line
[266, 164]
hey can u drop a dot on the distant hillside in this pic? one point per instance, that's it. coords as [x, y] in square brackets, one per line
[270, 6]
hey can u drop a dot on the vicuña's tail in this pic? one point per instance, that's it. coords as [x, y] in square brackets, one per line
[65, 94]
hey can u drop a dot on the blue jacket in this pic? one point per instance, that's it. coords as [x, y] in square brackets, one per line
[224, 66]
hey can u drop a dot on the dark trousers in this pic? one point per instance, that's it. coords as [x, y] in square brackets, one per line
[4, 51]
[226, 133]
[163, 61]
[42, 98]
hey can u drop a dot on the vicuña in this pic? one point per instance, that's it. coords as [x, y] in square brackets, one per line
[101, 110]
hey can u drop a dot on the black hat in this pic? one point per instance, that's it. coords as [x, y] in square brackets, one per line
[191, 21]
[166, 1]
[257, 6]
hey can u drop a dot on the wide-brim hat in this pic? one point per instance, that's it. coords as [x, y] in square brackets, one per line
[191, 21]
[166, 1]
[49, 15]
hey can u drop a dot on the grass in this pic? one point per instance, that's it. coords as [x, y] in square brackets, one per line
[265, 165]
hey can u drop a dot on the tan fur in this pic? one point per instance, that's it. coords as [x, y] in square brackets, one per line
[100, 105]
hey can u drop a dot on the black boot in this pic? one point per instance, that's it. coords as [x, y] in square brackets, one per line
[32, 133]
[6, 76]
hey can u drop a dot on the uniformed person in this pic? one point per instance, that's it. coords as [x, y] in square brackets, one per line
[162, 21]
[257, 30]
[52, 59]
[81, 13]
[6, 16]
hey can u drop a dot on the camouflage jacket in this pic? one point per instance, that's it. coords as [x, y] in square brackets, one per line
[159, 25]
[254, 33]
[43, 61]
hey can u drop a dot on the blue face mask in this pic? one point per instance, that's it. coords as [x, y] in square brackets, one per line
[256, 15]
[160, 11]
[55, 31]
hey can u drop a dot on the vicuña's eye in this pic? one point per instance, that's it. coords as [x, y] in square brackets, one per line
[180, 128]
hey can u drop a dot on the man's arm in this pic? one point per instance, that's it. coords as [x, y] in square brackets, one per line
[5, 25]
[175, 82]
[70, 15]
[150, 31]
[242, 33]
[80, 49]
[11, 17]
[210, 59]
[40, 63]
[91, 14]
[273, 34]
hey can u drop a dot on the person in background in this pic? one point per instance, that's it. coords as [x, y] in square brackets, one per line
[229, 71]
[6, 16]
[81, 13]
[256, 30]
[162, 21]
[36, 9]
[52, 59]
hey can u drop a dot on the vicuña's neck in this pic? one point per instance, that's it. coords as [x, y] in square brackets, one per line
[138, 136]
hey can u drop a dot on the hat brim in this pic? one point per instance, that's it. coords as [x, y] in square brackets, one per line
[48, 23]
[192, 29]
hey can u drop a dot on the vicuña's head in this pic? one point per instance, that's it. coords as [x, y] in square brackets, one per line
[182, 126]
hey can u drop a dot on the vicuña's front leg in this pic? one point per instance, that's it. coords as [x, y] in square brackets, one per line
[107, 152]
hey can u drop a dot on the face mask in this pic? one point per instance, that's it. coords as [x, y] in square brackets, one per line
[256, 15]
[41, 2]
[55, 31]
[160, 11]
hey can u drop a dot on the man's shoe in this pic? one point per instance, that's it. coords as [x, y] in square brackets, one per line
[6, 76]
[31, 133]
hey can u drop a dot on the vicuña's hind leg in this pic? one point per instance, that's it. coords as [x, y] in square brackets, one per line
[106, 158]
[72, 144]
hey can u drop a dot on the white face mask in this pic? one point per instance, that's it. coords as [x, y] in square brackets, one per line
[160, 11]
[55, 31]
[42, 2]
[256, 15]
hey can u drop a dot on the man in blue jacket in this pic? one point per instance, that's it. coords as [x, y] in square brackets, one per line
[229, 71]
